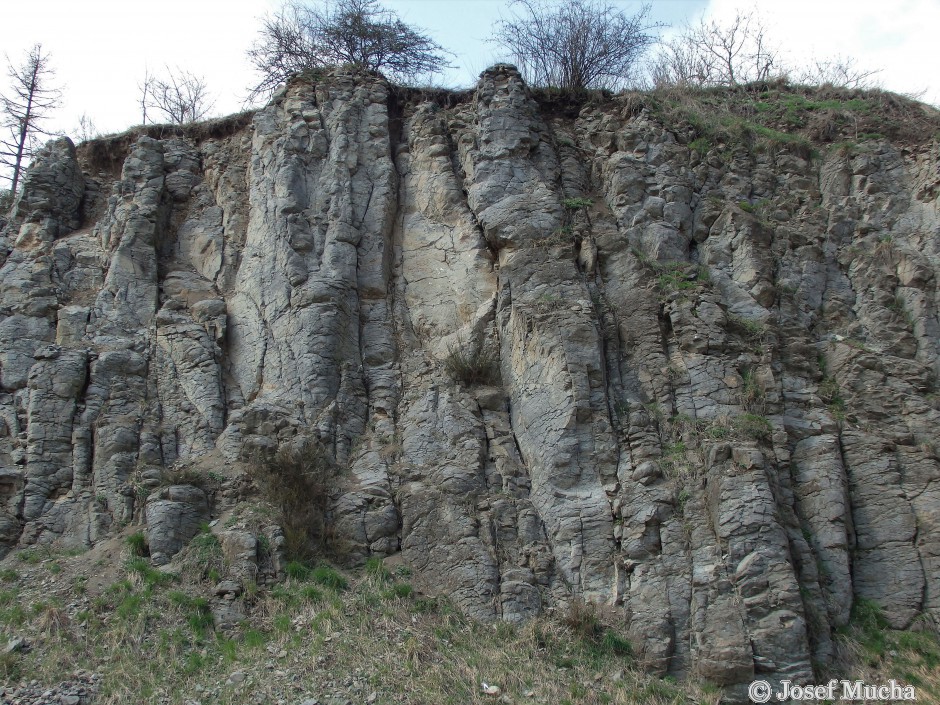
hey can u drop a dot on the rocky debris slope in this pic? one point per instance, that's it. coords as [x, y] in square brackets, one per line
[78, 691]
[713, 404]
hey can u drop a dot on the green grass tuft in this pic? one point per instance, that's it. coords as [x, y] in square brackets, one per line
[328, 577]
[137, 543]
[377, 569]
[151, 577]
[297, 571]
[574, 204]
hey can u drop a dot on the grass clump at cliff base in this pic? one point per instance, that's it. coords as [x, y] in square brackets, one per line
[869, 649]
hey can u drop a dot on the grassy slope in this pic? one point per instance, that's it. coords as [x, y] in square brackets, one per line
[327, 634]
[321, 633]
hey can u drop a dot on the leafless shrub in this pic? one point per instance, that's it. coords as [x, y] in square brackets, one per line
[712, 53]
[738, 52]
[297, 481]
[841, 71]
[85, 130]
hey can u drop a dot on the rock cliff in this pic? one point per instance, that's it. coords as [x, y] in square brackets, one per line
[713, 397]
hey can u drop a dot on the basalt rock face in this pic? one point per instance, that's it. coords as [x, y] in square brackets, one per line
[715, 406]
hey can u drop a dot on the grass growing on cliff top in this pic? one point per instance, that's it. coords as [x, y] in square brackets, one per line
[774, 116]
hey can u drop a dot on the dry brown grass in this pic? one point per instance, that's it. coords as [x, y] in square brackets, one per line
[309, 636]
[304, 638]
[471, 364]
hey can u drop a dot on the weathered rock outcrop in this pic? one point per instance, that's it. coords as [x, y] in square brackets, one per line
[716, 401]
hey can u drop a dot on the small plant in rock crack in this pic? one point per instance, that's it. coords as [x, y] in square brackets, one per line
[884, 252]
[188, 476]
[577, 204]
[746, 327]
[548, 302]
[676, 277]
[753, 426]
[899, 307]
[751, 395]
[558, 238]
[472, 364]
[761, 208]
[831, 394]
[682, 498]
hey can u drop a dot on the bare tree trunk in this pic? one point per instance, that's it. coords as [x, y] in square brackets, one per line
[24, 127]
[23, 107]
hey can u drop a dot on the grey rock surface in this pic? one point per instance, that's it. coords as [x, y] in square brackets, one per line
[173, 517]
[718, 421]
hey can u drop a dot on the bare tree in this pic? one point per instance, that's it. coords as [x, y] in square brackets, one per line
[285, 48]
[146, 88]
[180, 97]
[23, 110]
[303, 36]
[578, 44]
[718, 54]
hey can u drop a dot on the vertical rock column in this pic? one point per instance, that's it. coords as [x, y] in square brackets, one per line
[550, 346]
[39, 384]
[445, 290]
[310, 344]
[116, 402]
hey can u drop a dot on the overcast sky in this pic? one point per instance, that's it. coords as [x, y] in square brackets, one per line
[101, 48]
